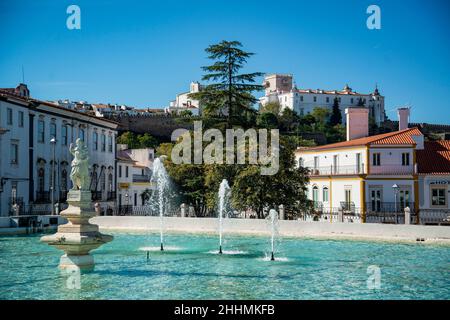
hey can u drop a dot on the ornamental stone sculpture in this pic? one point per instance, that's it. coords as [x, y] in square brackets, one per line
[80, 172]
[78, 237]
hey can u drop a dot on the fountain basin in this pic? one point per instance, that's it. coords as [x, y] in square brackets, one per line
[77, 237]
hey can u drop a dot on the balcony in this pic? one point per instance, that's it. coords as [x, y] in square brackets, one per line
[379, 206]
[337, 170]
[42, 197]
[141, 178]
[392, 169]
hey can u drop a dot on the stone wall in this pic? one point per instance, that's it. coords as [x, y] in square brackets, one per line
[286, 228]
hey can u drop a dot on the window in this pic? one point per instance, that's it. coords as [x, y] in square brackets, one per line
[348, 199]
[405, 159]
[103, 143]
[135, 199]
[14, 192]
[359, 168]
[64, 135]
[81, 133]
[14, 153]
[41, 180]
[325, 194]
[376, 159]
[95, 140]
[335, 163]
[316, 163]
[375, 199]
[20, 118]
[315, 196]
[351, 100]
[103, 181]
[53, 130]
[110, 182]
[404, 199]
[120, 171]
[315, 99]
[10, 116]
[301, 98]
[438, 197]
[328, 99]
[110, 144]
[339, 99]
[150, 156]
[126, 171]
[41, 131]
[94, 181]
[301, 162]
[64, 180]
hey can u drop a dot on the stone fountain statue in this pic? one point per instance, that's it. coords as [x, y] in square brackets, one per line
[78, 237]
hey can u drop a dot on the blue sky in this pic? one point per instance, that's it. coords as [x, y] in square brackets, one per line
[142, 53]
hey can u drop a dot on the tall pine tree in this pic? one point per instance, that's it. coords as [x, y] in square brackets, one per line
[336, 115]
[231, 92]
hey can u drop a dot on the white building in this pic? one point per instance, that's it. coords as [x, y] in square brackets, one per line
[434, 180]
[183, 102]
[359, 175]
[26, 167]
[134, 168]
[280, 88]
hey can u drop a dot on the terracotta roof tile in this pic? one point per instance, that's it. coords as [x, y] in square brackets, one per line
[435, 158]
[403, 137]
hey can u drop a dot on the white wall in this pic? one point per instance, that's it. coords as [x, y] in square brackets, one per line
[13, 173]
[426, 183]
[391, 160]
[43, 150]
[346, 159]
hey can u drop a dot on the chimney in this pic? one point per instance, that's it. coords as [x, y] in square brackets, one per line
[403, 118]
[357, 123]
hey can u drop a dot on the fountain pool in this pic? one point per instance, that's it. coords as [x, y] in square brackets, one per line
[304, 269]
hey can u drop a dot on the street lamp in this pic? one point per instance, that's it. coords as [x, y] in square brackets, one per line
[126, 199]
[396, 189]
[53, 142]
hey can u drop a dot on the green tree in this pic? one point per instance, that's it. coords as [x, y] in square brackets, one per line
[147, 141]
[288, 120]
[251, 190]
[336, 115]
[267, 120]
[130, 139]
[185, 113]
[231, 92]
[321, 115]
[272, 107]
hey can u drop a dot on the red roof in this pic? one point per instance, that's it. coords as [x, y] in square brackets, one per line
[435, 158]
[403, 137]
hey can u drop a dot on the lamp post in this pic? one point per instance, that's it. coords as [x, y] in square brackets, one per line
[126, 199]
[53, 142]
[396, 189]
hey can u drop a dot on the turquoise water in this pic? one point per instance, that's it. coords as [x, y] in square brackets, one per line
[307, 269]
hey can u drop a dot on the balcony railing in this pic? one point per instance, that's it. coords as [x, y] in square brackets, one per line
[379, 206]
[42, 197]
[141, 178]
[111, 196]
[392, 169]
[96, 195]
[337, 170]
